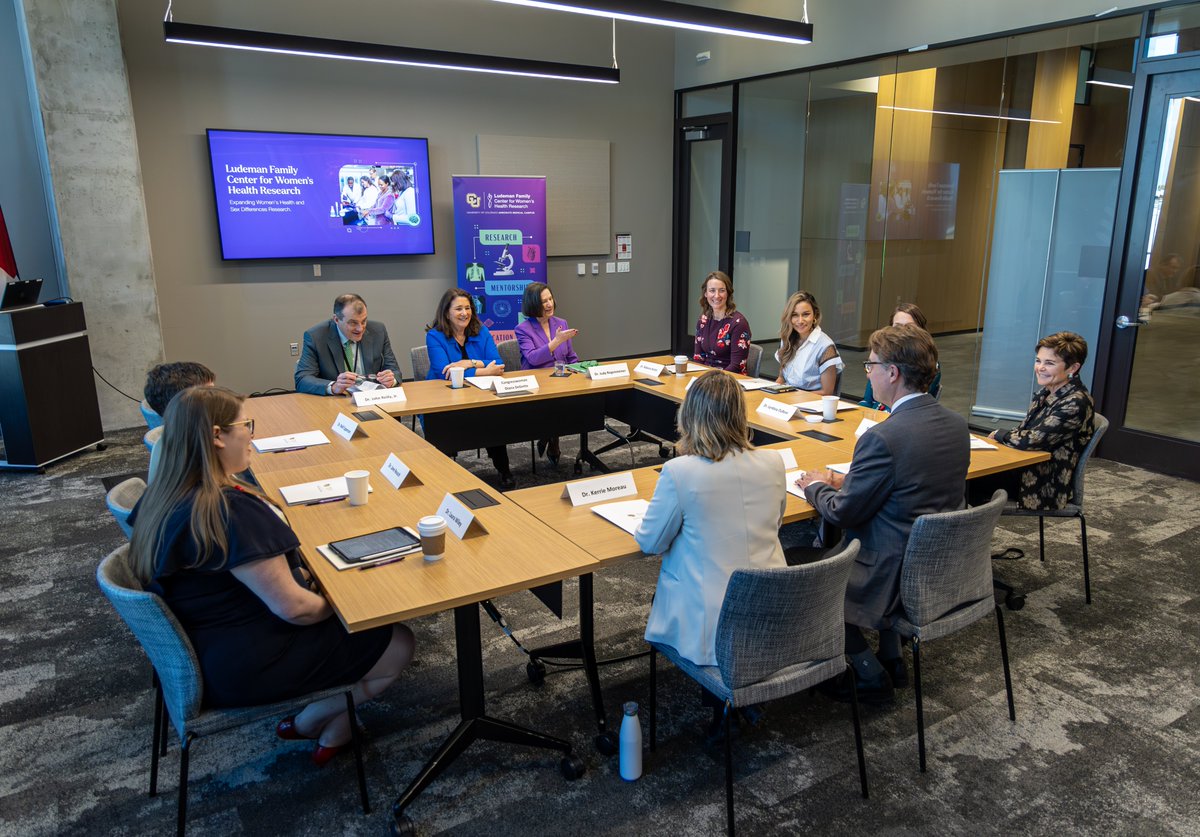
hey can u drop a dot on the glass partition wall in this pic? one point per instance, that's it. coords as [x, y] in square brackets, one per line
[875, 183]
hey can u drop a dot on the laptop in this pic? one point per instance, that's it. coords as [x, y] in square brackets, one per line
[21, 293]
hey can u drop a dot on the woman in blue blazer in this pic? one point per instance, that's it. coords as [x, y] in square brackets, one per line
[458, 338]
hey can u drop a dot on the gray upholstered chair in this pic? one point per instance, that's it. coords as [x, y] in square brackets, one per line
[1072, 509]
[152, 436]
[754, 360]
[780, 631]
[122, 498]
[946, 585]
[420, 365]
[510, 354]
[178, 686]
[152, 418]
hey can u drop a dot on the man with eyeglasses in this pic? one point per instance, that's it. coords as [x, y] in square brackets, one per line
[346, 351]
[913, 463]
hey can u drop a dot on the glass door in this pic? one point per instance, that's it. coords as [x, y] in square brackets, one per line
[1153, 392]
[704, 212]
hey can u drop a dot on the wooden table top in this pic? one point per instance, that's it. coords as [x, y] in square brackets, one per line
[518, 551]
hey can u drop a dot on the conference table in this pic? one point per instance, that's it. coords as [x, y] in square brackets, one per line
[534, 536]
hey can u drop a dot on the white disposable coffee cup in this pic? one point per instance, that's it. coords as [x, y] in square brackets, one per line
[432, 531]
[681, 363]
[829, 405]
[358, 482]
[456, 376]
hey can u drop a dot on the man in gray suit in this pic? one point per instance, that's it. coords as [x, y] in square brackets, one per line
[913, 463]
[339, 353]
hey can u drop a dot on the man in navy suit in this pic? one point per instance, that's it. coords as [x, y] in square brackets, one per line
[339, 353]
[911, 464]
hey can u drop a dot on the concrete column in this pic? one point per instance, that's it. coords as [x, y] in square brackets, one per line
[83, 95]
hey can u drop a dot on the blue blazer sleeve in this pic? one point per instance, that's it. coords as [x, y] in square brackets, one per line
[485, 346]
[438, 346]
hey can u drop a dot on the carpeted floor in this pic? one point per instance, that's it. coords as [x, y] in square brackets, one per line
[1107, 739]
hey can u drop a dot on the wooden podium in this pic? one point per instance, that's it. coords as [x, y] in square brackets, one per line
[48, 406]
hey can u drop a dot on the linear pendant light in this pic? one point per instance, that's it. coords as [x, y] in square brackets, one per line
[683, 16]
[279, 43]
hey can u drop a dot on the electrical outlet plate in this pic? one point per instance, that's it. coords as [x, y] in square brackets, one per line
[295, 349]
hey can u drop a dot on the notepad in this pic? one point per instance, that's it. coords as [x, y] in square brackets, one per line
[482, 381]
[815, 406]
[980, 444]
[317, 491]
[752, 384]
[627, 514]
[292, 441]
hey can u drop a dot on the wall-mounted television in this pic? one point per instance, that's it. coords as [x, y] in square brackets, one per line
[292, 196]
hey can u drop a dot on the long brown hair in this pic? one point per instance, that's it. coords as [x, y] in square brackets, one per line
[712, 420]
[724, 279]
[188, 465]
[789, 338]
[441, 319]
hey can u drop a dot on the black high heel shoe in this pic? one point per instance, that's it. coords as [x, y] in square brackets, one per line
[541, 447]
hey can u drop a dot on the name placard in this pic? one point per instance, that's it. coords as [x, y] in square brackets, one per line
[395, 395]
[345, 426]
[459, 519]
[691, 381]
[865, 425]
[649, 369]
[524, 383]
[777, 409]
[397, 473]
[789, 459]
[607, 487]
[608, 370]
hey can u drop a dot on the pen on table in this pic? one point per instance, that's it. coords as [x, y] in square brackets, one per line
[285, 450]
[326, 500]
[381, 563]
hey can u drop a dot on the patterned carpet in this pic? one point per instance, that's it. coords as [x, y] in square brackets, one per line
[1107, 739]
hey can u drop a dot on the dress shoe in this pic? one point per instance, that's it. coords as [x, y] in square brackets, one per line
[286, 729]
[322, 755]
[541, 447]
[897, 670]
[553, 452]
[877, 691]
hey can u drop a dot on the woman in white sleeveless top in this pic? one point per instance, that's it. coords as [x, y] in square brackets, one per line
[808, 359]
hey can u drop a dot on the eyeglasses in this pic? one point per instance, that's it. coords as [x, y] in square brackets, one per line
[249, 424]
[867, 364]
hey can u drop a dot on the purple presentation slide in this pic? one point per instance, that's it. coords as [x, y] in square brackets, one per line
[285, 196]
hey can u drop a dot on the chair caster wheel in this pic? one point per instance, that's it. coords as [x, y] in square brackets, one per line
[664, 451]
[572, 767]
[102, 446]
[403, 826]
[578, 467]
[535, 670]
[606, 744]
[1014, 601]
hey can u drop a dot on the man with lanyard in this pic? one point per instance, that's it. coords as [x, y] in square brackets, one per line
[343, 352]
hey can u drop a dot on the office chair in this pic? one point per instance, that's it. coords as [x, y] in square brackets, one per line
[946, 585]
[121, 500]
[780, 632]
[754, 360]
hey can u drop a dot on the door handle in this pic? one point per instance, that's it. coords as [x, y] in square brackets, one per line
[1125, 322]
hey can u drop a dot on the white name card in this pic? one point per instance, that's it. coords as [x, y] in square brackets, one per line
[525, 383]
[607, 487]
[397, 473]
[777, 409]
[789, 459]
[649, 369]
[459, 519]
[608, 370]
[865, 425]
[395, 395]
[345, 426]
[688, 385]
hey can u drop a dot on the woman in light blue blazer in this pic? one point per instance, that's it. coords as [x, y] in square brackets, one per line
[458, 338]
[717, 508]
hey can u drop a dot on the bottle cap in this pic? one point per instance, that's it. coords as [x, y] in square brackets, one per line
[631, 707]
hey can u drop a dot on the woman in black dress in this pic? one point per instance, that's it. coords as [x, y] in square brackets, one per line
[226, 562]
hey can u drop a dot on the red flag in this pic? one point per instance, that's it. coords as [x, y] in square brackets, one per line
[8, 262]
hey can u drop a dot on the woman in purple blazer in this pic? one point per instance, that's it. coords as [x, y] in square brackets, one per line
[544, 339]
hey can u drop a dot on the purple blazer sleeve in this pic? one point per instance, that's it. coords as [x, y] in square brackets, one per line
[535, 346]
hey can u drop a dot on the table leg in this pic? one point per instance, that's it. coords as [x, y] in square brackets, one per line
[586, 455]
[475, 724]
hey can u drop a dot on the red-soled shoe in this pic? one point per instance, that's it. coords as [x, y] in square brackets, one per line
[323, 754]
[286, 729]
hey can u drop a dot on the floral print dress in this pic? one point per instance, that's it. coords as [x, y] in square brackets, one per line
[723, 343]
[1058, 422]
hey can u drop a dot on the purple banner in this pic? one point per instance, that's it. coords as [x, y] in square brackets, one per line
[500, 238]
[317, 195]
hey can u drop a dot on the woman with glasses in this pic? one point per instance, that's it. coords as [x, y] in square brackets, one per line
[226, 562]
[1060, 420]
[808, 359]
[906, 313]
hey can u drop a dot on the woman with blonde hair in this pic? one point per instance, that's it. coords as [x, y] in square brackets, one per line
[808, 358]
[717, 508]
[227, 564]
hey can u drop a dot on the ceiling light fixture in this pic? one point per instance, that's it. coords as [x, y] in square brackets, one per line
[684, 16]
[282, 44]
[973, 115]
